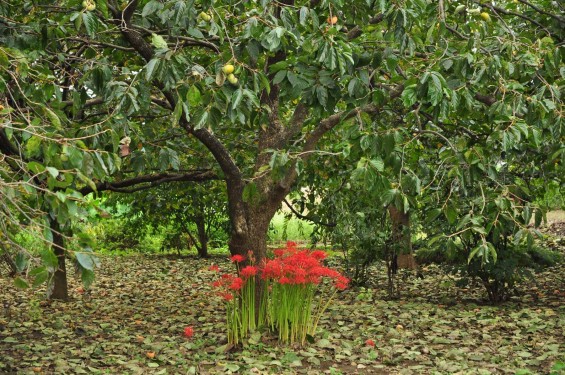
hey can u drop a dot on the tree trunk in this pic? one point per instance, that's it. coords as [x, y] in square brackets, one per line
[400, 229]
[254, 241]
[202, 236]
[60, 288]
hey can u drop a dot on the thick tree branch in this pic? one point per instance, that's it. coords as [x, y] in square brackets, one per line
[150, 181]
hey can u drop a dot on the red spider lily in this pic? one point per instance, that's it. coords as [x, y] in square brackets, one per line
[227, 296]
[214, 267]
[341, 282]
[248, 272]
[291, 245]
[217, 284]
[237, 258]
[318, 254]
[188, 331]
[370, 342]
[236, 284]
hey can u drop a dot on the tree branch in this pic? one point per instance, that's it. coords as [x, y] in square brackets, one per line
[520, 15]
[356, 31]
[539, 10]
[125, 186]
[304, 217]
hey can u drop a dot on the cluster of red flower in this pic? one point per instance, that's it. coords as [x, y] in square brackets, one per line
[290, 266]
[299, 267]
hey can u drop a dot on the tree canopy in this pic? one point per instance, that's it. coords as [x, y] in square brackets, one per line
[415, 95]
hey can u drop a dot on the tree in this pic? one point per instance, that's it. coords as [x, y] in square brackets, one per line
[197, 213]
[160, 73]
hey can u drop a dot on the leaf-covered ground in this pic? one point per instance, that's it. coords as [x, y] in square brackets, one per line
[132, 322]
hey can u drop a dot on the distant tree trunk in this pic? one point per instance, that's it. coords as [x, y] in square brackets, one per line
[400, 229]
[60, 287]
[402, 239]
[202, 236]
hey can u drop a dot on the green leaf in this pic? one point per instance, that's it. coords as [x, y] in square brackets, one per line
[87, 277]
[53, 118]
[35, 167]
[236, 98]
[87, 259]
[75, 157]
[450, 214]
[150, 68]
[90, 23]
[49, 259]
[52, 171]
[377, 163]
[158, 41]
[41, 276]
[193, 96]
[202, 120]
[252, 97]
[322, 95]
[409, 96]
[279, 77]
[102, 6]
[33, 147]
[20, 283]
[389, 196]
[21, 262]
[151, 7]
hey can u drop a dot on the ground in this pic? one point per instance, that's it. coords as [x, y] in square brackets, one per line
[132, 320]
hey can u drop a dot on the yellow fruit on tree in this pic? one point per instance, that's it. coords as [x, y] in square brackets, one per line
[228, 69]
[89, 5]
[232, 79]
[205, 16]
[485, 16]
[332, 20]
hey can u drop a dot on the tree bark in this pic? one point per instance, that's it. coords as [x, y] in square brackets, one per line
[400, 229]
[60, 287]
[202, 236]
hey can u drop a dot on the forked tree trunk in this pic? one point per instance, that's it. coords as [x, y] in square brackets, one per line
[60, 287]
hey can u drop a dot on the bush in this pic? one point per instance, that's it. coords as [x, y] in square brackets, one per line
[513, 264]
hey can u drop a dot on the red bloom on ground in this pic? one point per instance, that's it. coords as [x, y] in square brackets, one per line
[227, 296]
[291, 245]
[370, 342]
[236, 284]
[237, 258]
[248, 271]
[188, 331]
[214, 267]
[217, 284]
[341, 282]
[318, 254]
